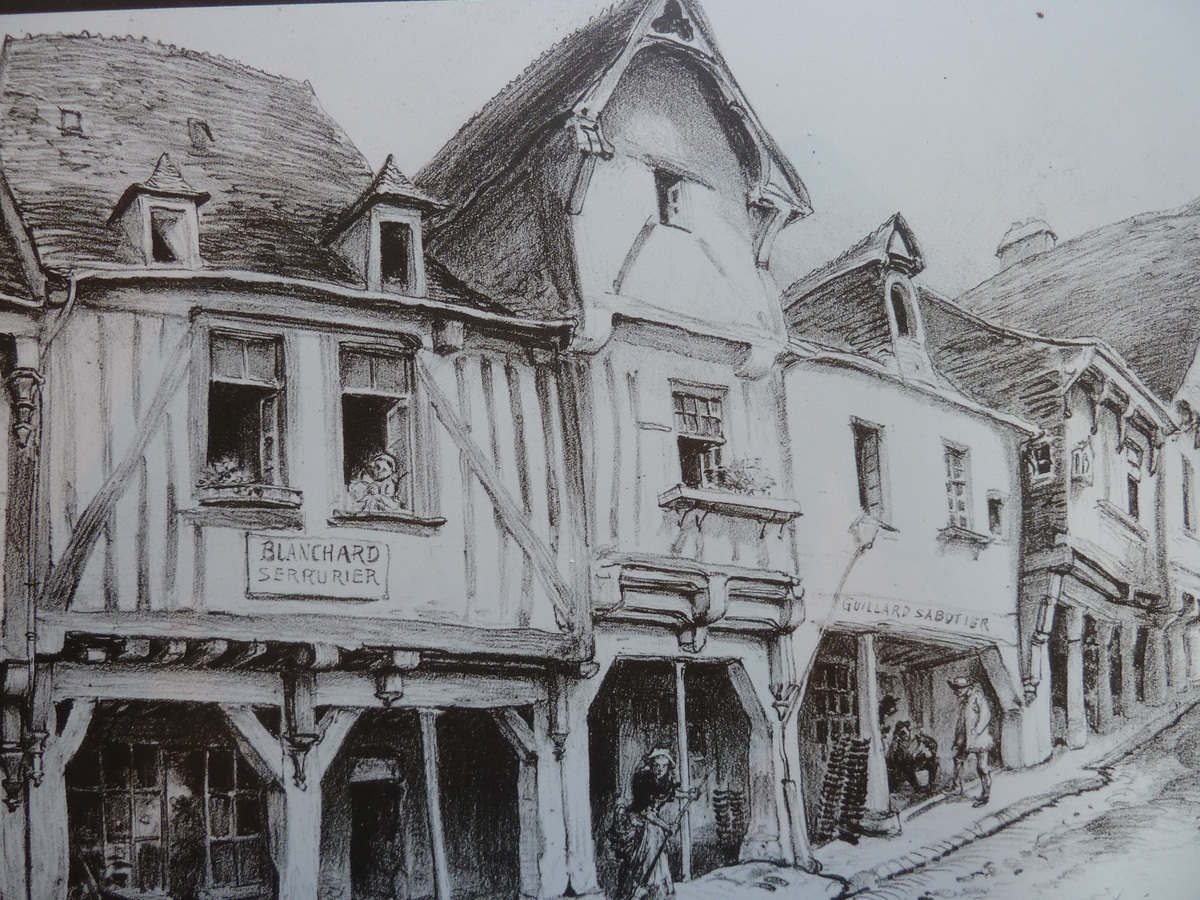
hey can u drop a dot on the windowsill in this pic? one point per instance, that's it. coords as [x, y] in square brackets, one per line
[386, 521]
[1115, 512]
[955, 534]
[745, 506]
[259, 496]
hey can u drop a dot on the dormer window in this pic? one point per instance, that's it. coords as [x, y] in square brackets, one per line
[168, 235]
[395, 255]
[160, 220]
[380, 234]
[899, 300]
[199, 134]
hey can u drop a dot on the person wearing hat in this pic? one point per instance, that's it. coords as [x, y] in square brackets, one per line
[972, 736]
[642, 831]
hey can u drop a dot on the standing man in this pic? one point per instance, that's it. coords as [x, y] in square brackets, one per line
[643, 830]
[973, 736]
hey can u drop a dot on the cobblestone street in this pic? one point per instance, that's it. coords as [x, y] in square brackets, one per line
[1137, 837]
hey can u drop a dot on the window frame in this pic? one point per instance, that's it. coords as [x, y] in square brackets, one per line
[1033, 462]
[863, 427]
[963, 454]
[1134, 456]
[406, 355]
[1000, 531]
[416, 284]
[667, 181]
[251, 494]
[708, 394]
[188, 224]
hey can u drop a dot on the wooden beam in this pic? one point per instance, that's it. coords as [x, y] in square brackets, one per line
[348, 632]
[433, 803]
[255, 741]
[507, 508]
[517, 732]
[685, 772]
[64, 580]
[424, 690]
[115, 681]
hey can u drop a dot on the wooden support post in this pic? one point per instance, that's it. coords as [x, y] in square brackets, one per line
[521, 738]
[49, 847]
[685, 773]
[552, 862]
[878, 795]
[1104, 696]
[1155, 676]
[1077, 727]
[569, 701]
[1128, 643]
[296, 822]
[433, 803]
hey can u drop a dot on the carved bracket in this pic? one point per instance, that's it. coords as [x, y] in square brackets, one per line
[25, 386]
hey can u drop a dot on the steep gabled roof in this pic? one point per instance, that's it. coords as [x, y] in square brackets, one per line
[277, 167]
[1133, 284]
[280, 172]
[543, 97]
[893, 241]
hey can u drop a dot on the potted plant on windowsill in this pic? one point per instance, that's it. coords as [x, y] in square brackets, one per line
[228, 483]
[740, 488]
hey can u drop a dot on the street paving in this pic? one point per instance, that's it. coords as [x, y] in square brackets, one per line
[1136, 837]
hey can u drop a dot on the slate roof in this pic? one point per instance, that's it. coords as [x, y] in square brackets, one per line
[874, 248]
[510, 124]
[1132, 284]
[279, 170]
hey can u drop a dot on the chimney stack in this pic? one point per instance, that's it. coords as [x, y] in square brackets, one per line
[1023, 240]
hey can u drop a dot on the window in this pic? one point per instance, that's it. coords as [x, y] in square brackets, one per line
[701, 435]
[377, 430]
[899, 302]
[1189, 495]
[868, 460]
[148, 819]
[1040, 460]
[70, 121]
[168, 235]
[395, 254]
[669, 189]
[958, 487]
[245, 410]
[199, 134]
[1133, 479]
[995, 511]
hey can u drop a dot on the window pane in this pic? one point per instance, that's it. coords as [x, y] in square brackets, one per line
[224, 864]
[356, 370]
[116, 766]
[220, 770]
[228, 359]
[391, 375]
[249, 815]
[395, 247]
[116, 816]
[86, 814]
[145, 766]
[219, 815]
[262, 360]
[252, 863]
[149, 866]
[84, 770]
[147, 815]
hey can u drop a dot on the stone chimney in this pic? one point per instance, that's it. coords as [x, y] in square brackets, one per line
[1023, 240]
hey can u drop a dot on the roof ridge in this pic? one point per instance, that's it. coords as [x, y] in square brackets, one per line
[169, 49]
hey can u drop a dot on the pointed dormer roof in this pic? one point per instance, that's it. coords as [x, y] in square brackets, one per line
[165, 181]
[892, 243]
[571, 83]
[390, 185]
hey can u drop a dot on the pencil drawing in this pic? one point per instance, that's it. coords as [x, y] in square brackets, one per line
[510, 531]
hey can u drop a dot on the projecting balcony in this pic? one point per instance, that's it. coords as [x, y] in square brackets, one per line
[768, 510]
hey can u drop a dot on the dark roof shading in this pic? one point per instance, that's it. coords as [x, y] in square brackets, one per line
[1132, 284]
[280, 171]
[893, 241]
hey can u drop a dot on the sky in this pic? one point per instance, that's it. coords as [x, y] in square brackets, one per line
[963, 115]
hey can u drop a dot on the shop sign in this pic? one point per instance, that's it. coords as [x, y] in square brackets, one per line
[927, 616]
[338, 568]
